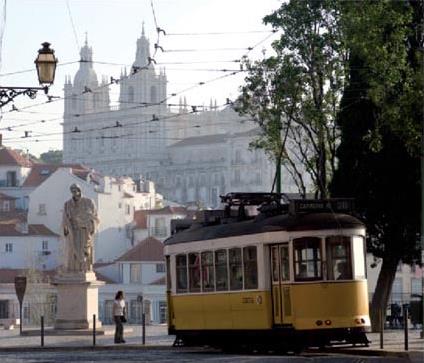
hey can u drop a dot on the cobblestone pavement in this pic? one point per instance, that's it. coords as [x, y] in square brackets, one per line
[158, 349]
[155, 335]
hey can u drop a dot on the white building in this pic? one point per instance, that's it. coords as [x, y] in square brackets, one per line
[23, 245]
[191, 156]
[115, 200]
[140, 273]
[14, 170]
[156, 222]
[28, 246]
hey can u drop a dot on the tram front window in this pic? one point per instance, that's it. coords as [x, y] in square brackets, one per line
[338, 258]
[307, 258]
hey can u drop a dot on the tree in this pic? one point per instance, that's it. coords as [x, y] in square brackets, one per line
[385, 185]
[298, 90]
[52, 157]
[378, 161]
[392, 52]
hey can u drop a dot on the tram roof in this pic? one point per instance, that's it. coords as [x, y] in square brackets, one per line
[284, 222]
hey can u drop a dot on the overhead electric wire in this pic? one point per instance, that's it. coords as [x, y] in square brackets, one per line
[203, 50]
[116, 126]
[73, 26]
[34, 70]
[220, 33]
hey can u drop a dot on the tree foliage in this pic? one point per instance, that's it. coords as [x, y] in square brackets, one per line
[52, 157]
[388, 36]
[378, 160]
[297, 91]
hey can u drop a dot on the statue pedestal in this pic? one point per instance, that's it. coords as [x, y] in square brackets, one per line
[77, 300]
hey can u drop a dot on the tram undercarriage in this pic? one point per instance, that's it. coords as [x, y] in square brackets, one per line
[278, 339]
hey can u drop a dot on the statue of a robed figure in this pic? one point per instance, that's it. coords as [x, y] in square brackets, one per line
[77, 285]
[80, 223]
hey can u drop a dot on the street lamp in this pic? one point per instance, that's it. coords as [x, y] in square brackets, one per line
[46, 68]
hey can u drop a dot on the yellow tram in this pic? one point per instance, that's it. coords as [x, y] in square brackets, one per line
[291, 276]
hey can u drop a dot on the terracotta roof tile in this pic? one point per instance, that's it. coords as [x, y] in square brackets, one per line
[13, 217]
[6, 197]
[12, 157]
[149, 249]
[40, 172]
[33, 230]
[7, 275]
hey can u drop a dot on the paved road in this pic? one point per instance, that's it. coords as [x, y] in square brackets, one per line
[147, 355]
[77, 349]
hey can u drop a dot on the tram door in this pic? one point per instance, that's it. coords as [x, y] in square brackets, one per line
[280, 271]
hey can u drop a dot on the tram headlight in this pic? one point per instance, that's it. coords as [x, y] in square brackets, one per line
[318, 322]
[328, 322]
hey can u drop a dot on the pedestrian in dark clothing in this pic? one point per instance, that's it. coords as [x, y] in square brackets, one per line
[119, 316]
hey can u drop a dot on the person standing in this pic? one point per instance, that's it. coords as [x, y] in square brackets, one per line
[119, 316]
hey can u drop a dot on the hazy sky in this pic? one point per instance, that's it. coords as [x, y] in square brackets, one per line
[113, 27]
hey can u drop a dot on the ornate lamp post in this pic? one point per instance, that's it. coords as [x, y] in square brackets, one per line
[46, 69]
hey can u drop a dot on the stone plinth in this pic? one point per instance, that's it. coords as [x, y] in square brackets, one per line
[77, 300]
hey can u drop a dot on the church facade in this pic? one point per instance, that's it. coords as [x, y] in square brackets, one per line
[193, 157]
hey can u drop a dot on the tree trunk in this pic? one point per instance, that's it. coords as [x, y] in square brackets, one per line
[383, 290]
[322, 171]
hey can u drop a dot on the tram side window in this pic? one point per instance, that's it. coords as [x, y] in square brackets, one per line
[221, 270]
[250, 265]
[194, 272]
[359, 257]
[208, 275]
[338, 258]
[307, 258]
[236, 272]
[181, 263]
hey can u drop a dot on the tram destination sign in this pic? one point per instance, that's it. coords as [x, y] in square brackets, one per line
[321, 205]
[20, 287]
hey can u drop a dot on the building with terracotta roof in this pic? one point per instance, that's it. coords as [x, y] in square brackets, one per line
[140, 273]
[24, 245]
[115, 200]
[29, 246]
[156, 222]
[19, 176]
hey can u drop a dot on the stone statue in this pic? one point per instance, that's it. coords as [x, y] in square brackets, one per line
[80, 222]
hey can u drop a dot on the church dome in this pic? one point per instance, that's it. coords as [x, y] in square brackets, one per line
[86, 76]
